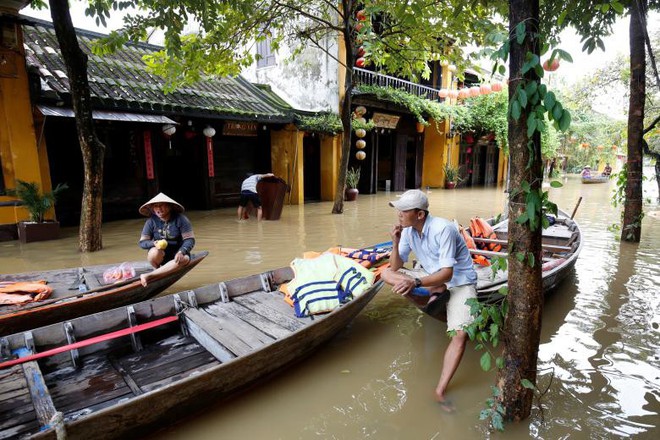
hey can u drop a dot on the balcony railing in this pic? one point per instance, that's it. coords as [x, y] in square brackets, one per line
[369, 78]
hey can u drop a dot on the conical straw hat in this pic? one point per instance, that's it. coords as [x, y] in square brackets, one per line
[160, 198]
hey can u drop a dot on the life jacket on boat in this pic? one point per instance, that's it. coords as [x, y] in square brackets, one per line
[469, 242]
[21, 292]
[323, 283]
[481, 229]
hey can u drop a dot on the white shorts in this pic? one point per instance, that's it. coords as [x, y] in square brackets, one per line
[458, 313]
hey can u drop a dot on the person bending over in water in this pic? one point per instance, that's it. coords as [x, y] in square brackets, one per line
[167, 235]
[446, 265]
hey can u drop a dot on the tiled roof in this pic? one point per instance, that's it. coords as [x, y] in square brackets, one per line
[120, 81]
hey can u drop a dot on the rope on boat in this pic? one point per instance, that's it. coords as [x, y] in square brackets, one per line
[91, 341]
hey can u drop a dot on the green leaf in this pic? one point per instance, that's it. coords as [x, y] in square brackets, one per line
[520, 256]
[562, 17]
[527, 384]
[557, 111]
[499, 362]
[564, 55]
[565, 120]
[520, 32]
[556, 184]
[531, 261]
[485, 361]
[618, 7]
[522, 97]
[549, 101]
[515, 110]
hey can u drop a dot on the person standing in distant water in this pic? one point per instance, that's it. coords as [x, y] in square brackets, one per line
[607, 170]
[446, 266]
[249, 194]
[167, 235]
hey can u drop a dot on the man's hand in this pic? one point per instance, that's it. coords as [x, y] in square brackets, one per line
[404, 286]
[179, 257]
[396, 233]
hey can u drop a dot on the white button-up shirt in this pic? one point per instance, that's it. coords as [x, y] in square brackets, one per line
[440, 245]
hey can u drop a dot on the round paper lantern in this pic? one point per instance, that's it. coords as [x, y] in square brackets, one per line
[361, 120]
[360, 110]
[360, 51]
[453, 94]
[360, 144]
[485, 89]
[551, 66]
[496, 86]
[475, 91]
[360, 155]
[463, 93]
[360, 132]
[360, 62]
[443, 93]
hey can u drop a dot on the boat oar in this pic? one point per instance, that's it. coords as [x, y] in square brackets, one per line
[576, 207]
[91, 341]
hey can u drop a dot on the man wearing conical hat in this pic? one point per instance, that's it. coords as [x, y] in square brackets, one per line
[167, 235]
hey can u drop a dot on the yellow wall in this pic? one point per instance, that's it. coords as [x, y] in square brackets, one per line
[330, 155]
[435, 148]
[286, 157]
[21, 158]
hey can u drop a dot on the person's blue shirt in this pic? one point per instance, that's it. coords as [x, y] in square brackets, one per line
[440, 245]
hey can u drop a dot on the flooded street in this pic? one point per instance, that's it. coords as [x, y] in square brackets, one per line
[600, 343]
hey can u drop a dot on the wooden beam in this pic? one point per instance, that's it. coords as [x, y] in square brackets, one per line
[548, 247]
[41, 400]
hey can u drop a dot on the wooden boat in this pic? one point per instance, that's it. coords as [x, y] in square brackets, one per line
[80, 291]
[595, 179]
[157, 361]
[562, 243]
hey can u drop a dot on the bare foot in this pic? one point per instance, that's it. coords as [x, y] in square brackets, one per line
[447, 406]
[144, 279]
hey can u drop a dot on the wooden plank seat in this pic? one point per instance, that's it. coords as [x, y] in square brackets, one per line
[548, 247]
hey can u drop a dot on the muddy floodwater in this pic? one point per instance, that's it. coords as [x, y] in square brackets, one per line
[599, 358]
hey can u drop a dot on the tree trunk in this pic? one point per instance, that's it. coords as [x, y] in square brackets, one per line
[338, 207]
[522, 325]
[93, 151]
[631, 229]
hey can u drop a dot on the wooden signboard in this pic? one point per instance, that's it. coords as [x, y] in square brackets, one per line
[383, 120]
[235, 128]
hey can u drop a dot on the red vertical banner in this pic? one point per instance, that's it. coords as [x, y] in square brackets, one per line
[209, 154]
[148, 156]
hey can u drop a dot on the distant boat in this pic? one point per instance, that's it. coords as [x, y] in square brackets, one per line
[596, 179]
[127, 372]
[79, 291]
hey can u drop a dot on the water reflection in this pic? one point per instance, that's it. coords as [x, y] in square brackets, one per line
[599, 357]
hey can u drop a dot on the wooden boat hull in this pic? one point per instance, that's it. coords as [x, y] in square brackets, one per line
[488, 289]
[67, 304]
[596, 179]
[118, 392]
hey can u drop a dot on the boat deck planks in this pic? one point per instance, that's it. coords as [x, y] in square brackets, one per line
[118, 389]
[258, 304]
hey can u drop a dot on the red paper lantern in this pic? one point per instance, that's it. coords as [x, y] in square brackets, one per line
[361, 15]
[463, 93]
[551, 66]
[496, 86]
[475, 91]
[453, 94]
[360, 51]
[485, 89]
[443, 93]
[360, 62]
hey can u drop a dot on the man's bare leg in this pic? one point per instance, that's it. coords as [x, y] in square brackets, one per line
[260, 213]
[452, 358]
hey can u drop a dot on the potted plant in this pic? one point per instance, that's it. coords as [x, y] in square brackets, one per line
[37, 204]
[451, 176]
[352, 180]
